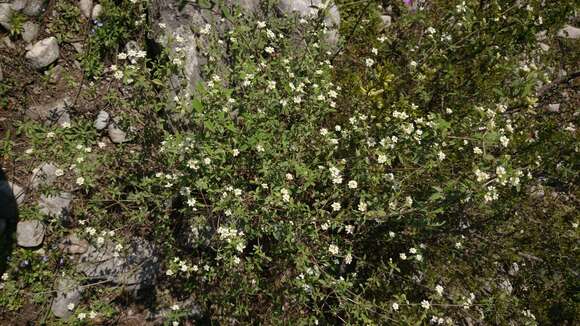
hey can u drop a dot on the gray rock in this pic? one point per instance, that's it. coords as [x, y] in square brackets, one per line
[97, 11]
[117, 135]
[6, 12]
[19, 5]
[57, 205]
[310, 8]
[570, 32]
[53, 112]
[72, 244]
[43, 53]
[18, 192]
[43, 175]
[8, 42]
[135, 267]
[29, 31]
[34, 7]
[30, 233]
[68, 292]
[86, 7]
[555, 107]
[251, 6]
[387, 20]
[102, 120]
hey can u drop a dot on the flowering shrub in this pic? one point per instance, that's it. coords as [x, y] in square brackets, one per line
[306, 198]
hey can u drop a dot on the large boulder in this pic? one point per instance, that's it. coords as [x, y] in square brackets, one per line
[134, 267]
[52, 112]
[68, 296]
[30, 233]
[43, 53]
[312, 8]
[6, 12]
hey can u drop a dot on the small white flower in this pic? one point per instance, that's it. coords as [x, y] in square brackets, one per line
[92, 315]
[403, 256]
[336, 206]
[477, 150]
[269, 50]
[352, 184]
[5, 277]
[369, 62]
[362, 206]
[333, 249]
[29, 151]
[175, 307]
[504, 141]
[289, 176]
[207, 161]
[82, 316]
[348, 259]
[65, 125]
[324, 131]
[439, 290]
[169, 272]
[395, 306]
[80, 181]
[261, 24]
[59, 172]
[259, 148]
[441, 156]
[70, 306]
[425, 304]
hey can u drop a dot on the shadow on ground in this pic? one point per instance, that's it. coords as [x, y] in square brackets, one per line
[8, 219]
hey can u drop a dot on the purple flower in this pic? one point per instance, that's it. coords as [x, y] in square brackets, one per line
[408, 2]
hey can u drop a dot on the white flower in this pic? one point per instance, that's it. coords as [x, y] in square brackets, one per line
[82, 316]
[65, 125]
[425, 304]
[409, 201]
[259, 148]
[191, 202]
[352, 184]
[175, 323]
[504, 141]
[375, 51]
[207, 161]
[169, 272]
[324, 131]
[413, 64]
[395, 306]
[29, 151]
[289, 176]
[261, 24]
[175, 307]
[441, 156]
[70, 306]
[269, 50]
[206, 29]
[100, 240]
[382, 158]
[5, 277]
[439, 290]
[369, 62]
[362, 206]
[118, 74]
[92, 315]
[477, 150]
[348, 259]
[413, 250]
[350, 229]
[238, 192]
[403, 256]
[336, 206]
[80, 181]
[333, 249]
[122, 56]
[59, 172]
